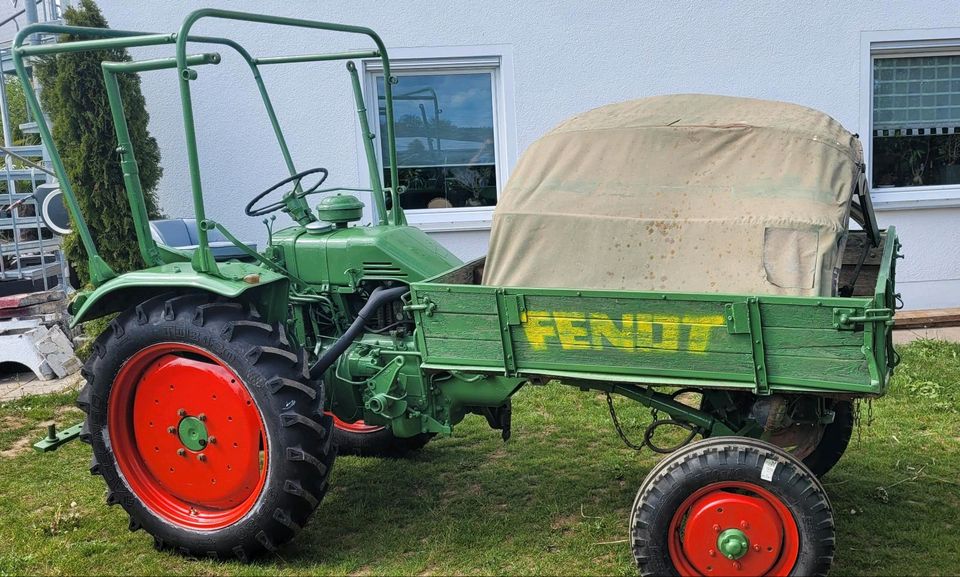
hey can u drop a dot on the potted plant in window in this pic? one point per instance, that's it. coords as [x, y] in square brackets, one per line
[950, 155]
[475, 180]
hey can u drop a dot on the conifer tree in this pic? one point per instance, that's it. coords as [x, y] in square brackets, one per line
[75, 98]
[17, 109]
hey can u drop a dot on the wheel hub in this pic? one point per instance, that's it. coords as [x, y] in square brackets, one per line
[733, 544]
[193, 434]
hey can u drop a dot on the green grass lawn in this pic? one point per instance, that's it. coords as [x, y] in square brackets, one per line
[554, 500]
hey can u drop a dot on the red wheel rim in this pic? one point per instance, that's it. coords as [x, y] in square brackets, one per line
[355, 427]
[156, 391]
[762, 518]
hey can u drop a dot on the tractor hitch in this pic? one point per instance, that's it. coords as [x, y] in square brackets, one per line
[55, 439]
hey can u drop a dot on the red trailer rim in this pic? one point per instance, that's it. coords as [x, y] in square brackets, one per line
[356, 426]
[733, 527]
[187, 436]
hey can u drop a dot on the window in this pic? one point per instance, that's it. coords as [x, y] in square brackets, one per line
[916, 121]
[452, 130]
[913, 110]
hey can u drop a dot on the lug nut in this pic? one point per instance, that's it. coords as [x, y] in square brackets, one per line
[202, 417]
[716, 528]
[172, 430]
[756, 547]
[182, 412]
[737, 565]
[744, 525]
[202, 457]
[181, 452]
[212, 440]
[712, 553]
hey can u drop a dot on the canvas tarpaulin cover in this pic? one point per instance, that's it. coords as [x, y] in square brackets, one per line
[690, 193]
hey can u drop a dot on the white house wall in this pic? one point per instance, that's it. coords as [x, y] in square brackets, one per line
[567, 57]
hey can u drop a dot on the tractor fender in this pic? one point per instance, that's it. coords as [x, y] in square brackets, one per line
[267, 289]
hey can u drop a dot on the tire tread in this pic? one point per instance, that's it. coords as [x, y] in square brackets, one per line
[262, 355]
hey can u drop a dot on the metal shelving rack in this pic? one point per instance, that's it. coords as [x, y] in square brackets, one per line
[30, 253]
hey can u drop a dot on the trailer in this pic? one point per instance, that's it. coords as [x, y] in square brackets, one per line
[219, 395]
[760, 345]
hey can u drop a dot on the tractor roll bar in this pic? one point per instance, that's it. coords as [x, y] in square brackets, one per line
[149, 249]
[395, 213]
[106, 38]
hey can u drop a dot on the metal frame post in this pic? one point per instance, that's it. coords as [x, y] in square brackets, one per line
[368, 145]
[128, 161]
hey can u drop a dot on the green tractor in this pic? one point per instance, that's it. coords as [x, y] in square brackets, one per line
[218, 396]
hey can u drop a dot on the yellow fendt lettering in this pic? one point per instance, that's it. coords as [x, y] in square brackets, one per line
[668, 329]
[572, 330]
[634, 332]
[700, 328]
[602, 328]
[645, 331]
[537, 328]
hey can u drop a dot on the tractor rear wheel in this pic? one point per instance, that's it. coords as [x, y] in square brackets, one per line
[819, 446]
[732, 506]
[363, 440]
[203, 428]
[833, 443]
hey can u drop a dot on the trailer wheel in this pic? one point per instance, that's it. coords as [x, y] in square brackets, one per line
[732, 506]
[202, 427]
[833, 443]
[363, 440]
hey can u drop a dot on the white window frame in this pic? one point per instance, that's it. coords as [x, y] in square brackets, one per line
[892, 44]
[498, 61]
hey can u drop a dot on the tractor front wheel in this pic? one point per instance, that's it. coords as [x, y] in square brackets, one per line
[732, 506]
[203, 428]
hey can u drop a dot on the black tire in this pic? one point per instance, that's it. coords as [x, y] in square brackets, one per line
[272, 372]
[380, 442]
[730, 459]
[836, 438]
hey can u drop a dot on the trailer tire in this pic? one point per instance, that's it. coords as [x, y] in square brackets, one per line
[186, 387]
[362, 440]
[766, 501]
[836, 438]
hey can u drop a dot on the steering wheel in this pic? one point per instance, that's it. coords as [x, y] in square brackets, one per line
[296, 178]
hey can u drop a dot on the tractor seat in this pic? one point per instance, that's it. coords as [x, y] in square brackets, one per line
[181, 233]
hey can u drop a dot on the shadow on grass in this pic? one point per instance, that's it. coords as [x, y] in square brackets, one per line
[528, 496]
[554, 500]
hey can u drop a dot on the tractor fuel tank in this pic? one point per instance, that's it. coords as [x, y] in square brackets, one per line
[345, 255]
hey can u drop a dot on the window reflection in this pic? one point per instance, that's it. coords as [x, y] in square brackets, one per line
[446, 151]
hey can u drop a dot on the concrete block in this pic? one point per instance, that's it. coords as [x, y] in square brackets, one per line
[47, 352]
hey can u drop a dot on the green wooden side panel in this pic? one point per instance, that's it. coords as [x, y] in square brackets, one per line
[636, 361]
[795, 316]
[828, 373]
[466, 333]
[464, 352]
[464, 301]
[618, 306]
[817, 343]
[460, 325]
[650, 337]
